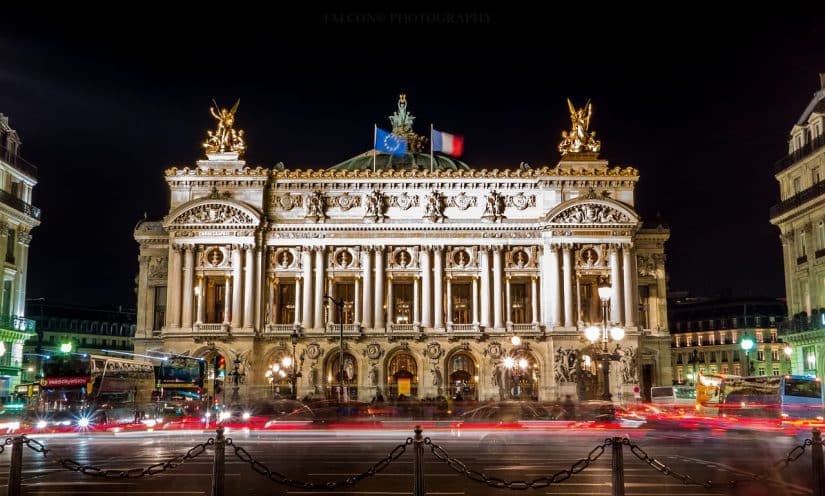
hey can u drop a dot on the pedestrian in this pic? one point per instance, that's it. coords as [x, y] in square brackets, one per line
[569, 408]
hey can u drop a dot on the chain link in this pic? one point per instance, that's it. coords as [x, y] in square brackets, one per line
[793, 455]
[661, 467]
[132, 473]
[460, 467]
[282, 479]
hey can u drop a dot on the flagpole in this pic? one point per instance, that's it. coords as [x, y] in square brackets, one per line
[374, 144]
[431, 147]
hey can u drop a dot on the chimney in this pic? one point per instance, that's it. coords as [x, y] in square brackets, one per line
[822, 80]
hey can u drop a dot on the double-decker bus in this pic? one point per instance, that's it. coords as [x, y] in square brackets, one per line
[81, 389]
[784, 397]
[180, 386]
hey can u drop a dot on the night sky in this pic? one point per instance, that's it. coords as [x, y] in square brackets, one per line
[700, 102]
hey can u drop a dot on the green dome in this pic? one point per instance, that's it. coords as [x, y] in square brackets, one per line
[409, 161]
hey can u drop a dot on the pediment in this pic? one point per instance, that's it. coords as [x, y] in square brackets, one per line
[212, 214]
[592, 212]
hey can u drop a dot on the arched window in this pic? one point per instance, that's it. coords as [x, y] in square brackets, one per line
[402, 376]
[462, 376]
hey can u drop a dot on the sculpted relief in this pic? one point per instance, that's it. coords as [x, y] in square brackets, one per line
[589, 213]
[214, 214]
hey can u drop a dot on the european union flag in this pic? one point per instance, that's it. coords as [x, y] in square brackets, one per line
[389, 143]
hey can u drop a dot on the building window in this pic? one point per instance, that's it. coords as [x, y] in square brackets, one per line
[815, 175]
[760, 356]
[701, 356]
[689, 340]
[286, 303]
[761, 370]
[724, 369]
[462, 304]
[796, 186]
[159, 310]
[346, 293]
[680, 378]
[737, 370]
[775, 370]
[215, 299]
[698, 340]
[809, 358]
[712, 356]
[735, 355]
[759, 337]
[773, 336]
[677, 339]
[774, 356]
[724, 356]
[711, 338]
[403, 303]
[732, 337]
[802, 245]
[521, 304]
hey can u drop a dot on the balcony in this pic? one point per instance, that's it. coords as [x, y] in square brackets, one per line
[17, 162]
[16, 323]
[411, 330]
[462, 328]
[18, 204]
[798, 199]
[790, 159]
[348, 329]
[279, 329]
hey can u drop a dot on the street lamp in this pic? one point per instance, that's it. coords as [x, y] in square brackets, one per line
[788, 352]
[593, 333]
[340, 306]
[747, 345]
[237, 378]
[295, 374]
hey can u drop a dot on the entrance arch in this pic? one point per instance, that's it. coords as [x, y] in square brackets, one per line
[521, 375]
[589, 382]
[462, 376]
[279, 366]
[402, 375]
[337, 387]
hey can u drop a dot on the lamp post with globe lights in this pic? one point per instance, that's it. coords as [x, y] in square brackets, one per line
[514, 366]
[788, 352]
[747, 345]
[605, 333]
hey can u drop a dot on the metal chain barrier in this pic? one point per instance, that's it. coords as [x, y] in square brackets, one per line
[352, 480]
[661, 467]
[459, 467]
[7, 442]
[793, 455]
[133, 473]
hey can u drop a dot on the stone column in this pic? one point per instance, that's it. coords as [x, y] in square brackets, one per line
[616, 283]
[554, 295]
[438, 290]
[357, 302]
[258, 302]
[629, 259]
[449, 300]
[508, 303]
[426, 288]
[273, 310]
[567, 260]
[237, 287]
[188, 286]
[332, 312]
[227, 298]
[306, 282]
[484, 297]
[319, 288]
[173, 290]
[498, 286]
[416, 302]
[249, 285]
[201, 296]
[366, 300]
[144, 301]
[534, 300]
[298, 297]
[378, 319]
[390, 303]
[475, 300]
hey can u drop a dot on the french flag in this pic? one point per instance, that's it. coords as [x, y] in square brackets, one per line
[451, 144]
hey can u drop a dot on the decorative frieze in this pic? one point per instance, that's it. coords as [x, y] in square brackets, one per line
[344, 201]
[520, 201]
[462, 201]
[404, 201]
[434, 210]
[590, 213]
[213, 214]
[289, 201]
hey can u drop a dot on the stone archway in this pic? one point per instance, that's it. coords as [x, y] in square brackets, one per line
[521, 375]
[402, 373]
[462, 377]
[335, 387]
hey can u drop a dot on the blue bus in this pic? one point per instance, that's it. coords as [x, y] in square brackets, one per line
[784, 397]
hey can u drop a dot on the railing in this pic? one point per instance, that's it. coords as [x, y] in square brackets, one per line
[403, 329]
[808, 149]
[16, 161]
[348, 329]
[16, 323]
[210, 328]
[463, 328]
[18, 204]
[798, 199]
[279, 329]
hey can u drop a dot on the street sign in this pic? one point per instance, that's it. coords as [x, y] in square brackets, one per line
[637, 392]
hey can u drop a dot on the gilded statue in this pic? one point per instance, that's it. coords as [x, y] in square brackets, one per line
[225, 138]
[579, 138]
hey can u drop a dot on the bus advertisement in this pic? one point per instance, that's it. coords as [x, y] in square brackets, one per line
[784, 397]
[180, 386]
[80, 389]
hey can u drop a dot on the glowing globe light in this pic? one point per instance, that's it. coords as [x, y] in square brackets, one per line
[617, 333]
[747, 344]
[592, 333]
[515, 340]
[522, 363]
[509, 362]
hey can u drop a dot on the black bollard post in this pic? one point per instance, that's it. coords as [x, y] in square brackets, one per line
[816, 463]
[618, 467]
[218, 467]
[418, 465]
[16, 467]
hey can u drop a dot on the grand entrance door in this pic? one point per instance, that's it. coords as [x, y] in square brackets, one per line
[402, 376]
[462, 373]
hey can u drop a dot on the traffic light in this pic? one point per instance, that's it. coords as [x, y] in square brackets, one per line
[220, 367]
